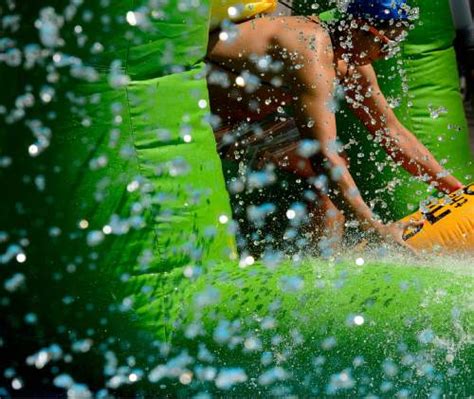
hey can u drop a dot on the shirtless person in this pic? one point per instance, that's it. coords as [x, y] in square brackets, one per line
[312, 59]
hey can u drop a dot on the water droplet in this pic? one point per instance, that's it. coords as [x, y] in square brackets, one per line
[246, 261]
[17, 384]
[82, 346]
[291, 283]
[49, 24]
[133, 186]
[46, 94]
[21, 258]
[63, 381]
[240, 81]
[33, 150]
[95, 237]
[436, 112]
[83, 224]
[307, 148]
[31, 318]
[223, 36]
[228, 377]
[186, 378]
[131, 18]
[15, 282]
[117, 78]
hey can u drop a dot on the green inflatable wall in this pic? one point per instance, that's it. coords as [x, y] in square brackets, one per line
[119, 269]
[128, 189]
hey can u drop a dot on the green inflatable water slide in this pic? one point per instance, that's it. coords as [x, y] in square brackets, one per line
[120, 270]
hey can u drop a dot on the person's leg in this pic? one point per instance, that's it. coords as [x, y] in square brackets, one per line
[326, 220]
[327, 224]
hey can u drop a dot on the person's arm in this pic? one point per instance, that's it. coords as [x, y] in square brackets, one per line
[403, 147]
[313, 105]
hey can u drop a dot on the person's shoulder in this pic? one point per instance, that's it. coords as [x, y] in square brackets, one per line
[323, 43]
[320, 29]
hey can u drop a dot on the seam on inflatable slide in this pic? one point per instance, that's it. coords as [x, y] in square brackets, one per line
[137, 159]
[208, 26]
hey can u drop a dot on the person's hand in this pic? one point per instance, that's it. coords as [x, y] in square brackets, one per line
[449, 184]
[393, 232]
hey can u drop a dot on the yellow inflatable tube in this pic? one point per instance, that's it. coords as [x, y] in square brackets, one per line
[237, 11]
[449, 224]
